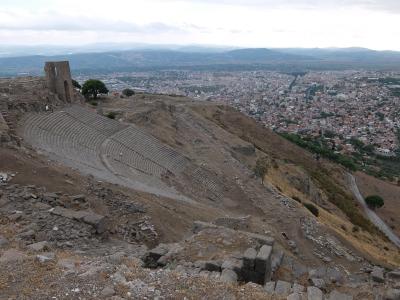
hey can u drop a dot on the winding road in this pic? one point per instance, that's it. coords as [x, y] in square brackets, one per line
[373, 217]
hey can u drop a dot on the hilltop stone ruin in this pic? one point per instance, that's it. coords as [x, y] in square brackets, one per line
[58, 76]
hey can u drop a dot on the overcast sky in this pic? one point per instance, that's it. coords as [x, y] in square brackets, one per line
[253, 23]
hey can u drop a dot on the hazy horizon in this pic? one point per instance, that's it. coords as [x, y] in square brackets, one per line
[369, 24]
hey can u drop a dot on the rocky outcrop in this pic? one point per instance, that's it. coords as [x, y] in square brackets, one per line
[98, 222]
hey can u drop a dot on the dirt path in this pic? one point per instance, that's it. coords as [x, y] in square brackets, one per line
[373, 217]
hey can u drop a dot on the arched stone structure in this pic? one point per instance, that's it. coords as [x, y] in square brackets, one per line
[58, 76]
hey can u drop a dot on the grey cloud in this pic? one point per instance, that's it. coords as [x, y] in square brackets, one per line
[387, 5]
[59, 22]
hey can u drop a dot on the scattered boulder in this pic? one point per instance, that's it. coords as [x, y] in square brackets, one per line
[318, 273]
[298, 269]
[228, 275]
[377, 274]
[40, 246]
[269, 287]
[293, 246]
[107, 292]
[392, 275]
[298, 288]
[205, 273]
[99, 222]
[50, 198]
[158, 251]
[335, 295]
[334, 275]
[318, 282]
[296, 296]
[283, 288]
[68, 264]
[46, 257]
[314, 293]
[154, 255]
[41, 206]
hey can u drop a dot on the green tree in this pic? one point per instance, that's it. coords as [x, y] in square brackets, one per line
[261, 168]
[93, 87]
[111, 115]
[374, 201]
[76, 84]
[128, 92]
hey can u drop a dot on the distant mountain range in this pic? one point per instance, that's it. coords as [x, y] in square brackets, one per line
[285, 59]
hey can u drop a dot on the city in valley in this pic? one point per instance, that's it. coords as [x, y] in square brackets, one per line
[350, 112]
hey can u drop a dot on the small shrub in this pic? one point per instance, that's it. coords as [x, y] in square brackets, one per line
[93, 87]
[128, 92]
[94, 103]
[261, 168]
[312, 208]
[343, 227]
[111, 115]
[356, 229]
[374, 201]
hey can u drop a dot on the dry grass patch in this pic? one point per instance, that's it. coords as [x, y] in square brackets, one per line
[372, 245]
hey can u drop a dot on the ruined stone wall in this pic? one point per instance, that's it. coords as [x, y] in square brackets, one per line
[58, 76]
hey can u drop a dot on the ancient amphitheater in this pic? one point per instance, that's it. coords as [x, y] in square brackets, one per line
[109, 150]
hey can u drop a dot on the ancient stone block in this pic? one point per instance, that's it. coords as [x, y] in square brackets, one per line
[295, 296]
[298, 288]
[99, 222]
[335, 295]
[314, 293]
[233, 264]
[228, 275]
[269, 287]
[283, 288]
[249, 257]
[263, 262]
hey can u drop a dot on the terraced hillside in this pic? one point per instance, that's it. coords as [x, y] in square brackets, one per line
[105, 148]
[146, 168]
